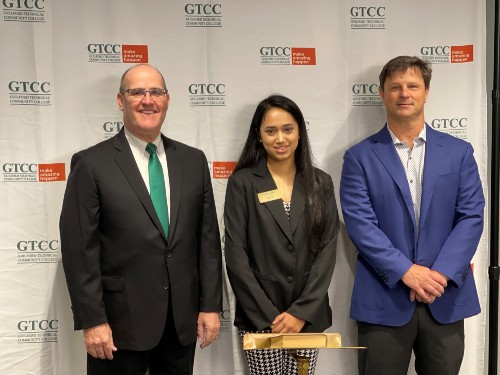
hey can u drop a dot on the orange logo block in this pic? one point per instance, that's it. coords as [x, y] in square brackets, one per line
[222, 169]
[136, 54]
[303, 56]
[51, 172]
[462, 54]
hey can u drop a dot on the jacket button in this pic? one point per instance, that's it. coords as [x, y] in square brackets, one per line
[290, 248]
[169, 255]
[289, 279]
[165, 286]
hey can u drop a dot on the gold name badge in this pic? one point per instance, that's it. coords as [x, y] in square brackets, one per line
[268, 196]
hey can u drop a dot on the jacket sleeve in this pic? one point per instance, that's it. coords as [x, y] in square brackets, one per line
[80, 248]
[210, 254]
[320, 276]
[362, 224]
[249, 294]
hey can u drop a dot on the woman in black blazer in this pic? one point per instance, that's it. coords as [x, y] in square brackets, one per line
[281, 229]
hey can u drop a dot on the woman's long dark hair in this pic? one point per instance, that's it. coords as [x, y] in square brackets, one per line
[253, 152]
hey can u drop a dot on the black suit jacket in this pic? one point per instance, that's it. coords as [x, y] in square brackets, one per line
[119, 266]
[269, 265]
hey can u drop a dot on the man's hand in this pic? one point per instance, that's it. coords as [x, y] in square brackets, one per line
[287, 323]
[414, 296]
[208, 328]
[425, 284]
[99, 341]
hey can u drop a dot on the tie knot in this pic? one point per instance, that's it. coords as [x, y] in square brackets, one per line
[151, 148]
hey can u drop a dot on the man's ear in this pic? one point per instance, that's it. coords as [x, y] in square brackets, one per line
[119, 100]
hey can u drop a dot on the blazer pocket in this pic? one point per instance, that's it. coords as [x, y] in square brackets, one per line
[114, 284]
[116, 303]
[263, 276]
[448, 173]
[269, 285]
[449, 176]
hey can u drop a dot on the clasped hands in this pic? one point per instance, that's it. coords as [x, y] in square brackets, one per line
[287, 323]
[425, 284]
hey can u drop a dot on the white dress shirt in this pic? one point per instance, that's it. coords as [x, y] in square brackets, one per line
[413, 163]
[141, 157]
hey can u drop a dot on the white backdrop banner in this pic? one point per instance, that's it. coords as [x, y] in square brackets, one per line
[60, 74]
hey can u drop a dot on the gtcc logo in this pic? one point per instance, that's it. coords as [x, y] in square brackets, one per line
[365, 89]
[104, 52]
[15, 172]
[203, 9]
[117, 53]
[364, 12]
[225, 321]
[363, 17]
[38, 325]
[37, 251]
[34, 172]
[37, 331]
[275, 51]
[203, 15]
[20, 168]
[225, 315]
[26, 87]
[435, 54]
[435, 51]
[207, 89]
[24, 4]
[100, 48]
[365, 94]
[449, 123]
[207, 94]
[29, 93]
[34, 245]
[282, 55]
[112, 126]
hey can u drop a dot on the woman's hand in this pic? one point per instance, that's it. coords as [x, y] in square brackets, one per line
[287, 323]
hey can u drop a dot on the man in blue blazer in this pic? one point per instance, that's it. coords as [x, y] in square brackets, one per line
[413, 206]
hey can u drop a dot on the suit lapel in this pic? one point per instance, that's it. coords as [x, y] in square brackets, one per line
[126, 162]
[432, 165]
[386, 152]
[175, 178]
[264, 182]
[298, 201]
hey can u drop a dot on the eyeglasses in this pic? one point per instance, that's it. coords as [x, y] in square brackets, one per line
[155, 93]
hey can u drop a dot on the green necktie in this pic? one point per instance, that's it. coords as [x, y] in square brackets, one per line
[157, 187]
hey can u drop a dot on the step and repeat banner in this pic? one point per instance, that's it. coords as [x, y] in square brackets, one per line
[61, 65]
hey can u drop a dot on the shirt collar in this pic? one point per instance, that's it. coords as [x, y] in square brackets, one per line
[139, 146]
[422, 136]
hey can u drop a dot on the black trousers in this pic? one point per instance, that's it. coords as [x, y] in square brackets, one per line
[169, 357]
[439, 348]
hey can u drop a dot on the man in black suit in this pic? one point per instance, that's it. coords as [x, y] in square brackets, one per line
[144, 278]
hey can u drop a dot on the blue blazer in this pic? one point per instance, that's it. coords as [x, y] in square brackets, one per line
[379, 218]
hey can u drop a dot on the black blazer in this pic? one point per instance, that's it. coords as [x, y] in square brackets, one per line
[119, 266]
[270, 268]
